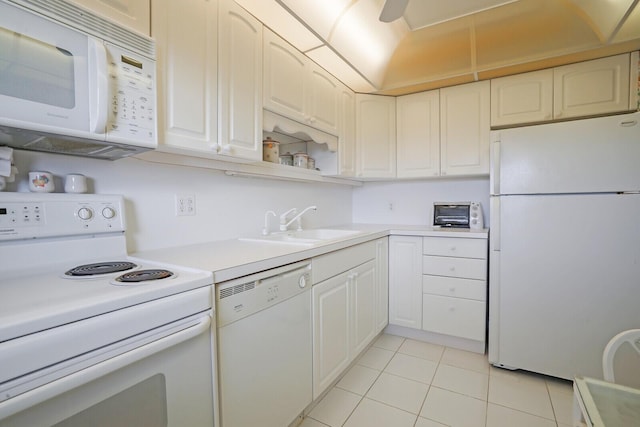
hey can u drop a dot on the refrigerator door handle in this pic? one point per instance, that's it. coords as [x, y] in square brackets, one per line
[495, 235]
[494, 177]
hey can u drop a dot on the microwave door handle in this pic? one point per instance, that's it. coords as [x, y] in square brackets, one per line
[99, 86]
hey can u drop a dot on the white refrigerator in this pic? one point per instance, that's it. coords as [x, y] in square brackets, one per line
[565, 243]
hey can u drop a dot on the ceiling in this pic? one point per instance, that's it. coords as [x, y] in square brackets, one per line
[442, 43]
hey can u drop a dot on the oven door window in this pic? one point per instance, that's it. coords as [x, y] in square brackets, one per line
[144, 404]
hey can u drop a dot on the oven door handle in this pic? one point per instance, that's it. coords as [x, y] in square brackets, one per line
[47, 391]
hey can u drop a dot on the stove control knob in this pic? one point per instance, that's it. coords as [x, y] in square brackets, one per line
[85, 213]
[108, 213]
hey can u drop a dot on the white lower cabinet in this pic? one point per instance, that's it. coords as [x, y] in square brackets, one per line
[330, 331]
[382, 284]
[346, 308]
[438, 289]
[405, 281]
[454, 286]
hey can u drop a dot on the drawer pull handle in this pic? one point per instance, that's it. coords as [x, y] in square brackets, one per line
[452, 269]
[452, 309]
[452, 289]
[453, 248]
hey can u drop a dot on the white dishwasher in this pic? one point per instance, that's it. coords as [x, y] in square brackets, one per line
[264, 347]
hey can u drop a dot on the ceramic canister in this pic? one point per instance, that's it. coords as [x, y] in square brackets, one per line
[270, 150]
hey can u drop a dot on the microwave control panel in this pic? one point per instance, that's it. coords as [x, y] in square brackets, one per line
[132, 115]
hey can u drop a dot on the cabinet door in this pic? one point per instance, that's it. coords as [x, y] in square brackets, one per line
[239, 82]
[363, 306]
[523, 98]
[284, 77]
[347, 132]
[376, 136]
[418, 131]
[135, 14]
[322, 102]
[464, 129]
[405, 281]
[187, 73]
[382, 284]
[330, 331]
[592, 87]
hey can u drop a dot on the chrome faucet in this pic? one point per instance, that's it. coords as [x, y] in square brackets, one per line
[283, 218]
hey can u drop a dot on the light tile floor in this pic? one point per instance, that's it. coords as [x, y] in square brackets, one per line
[401, 382]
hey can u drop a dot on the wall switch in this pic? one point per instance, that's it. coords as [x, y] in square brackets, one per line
[185, 204]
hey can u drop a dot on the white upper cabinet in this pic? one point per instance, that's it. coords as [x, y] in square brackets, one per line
[418, 133]
[322, 102]
[297, 88]
[464, 129]
[187, 73]
[239, 82]
[589, 88]
[375, 136]
[522, 98]
[593, 87]
[284, 77]
[347, 132]
[135, 14]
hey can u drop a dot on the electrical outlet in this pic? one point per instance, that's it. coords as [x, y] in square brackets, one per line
[185, 204]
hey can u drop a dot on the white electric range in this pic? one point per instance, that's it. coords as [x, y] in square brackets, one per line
[78, 313]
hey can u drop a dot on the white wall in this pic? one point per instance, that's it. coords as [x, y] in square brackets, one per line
[226, 207]
[411, 202]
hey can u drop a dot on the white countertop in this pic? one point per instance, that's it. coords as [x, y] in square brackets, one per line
[229, 259]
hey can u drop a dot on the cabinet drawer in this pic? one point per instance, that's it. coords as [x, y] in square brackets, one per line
[454, 316]
[455, 287]
[457, 247]
[455, 267]
[334, 263]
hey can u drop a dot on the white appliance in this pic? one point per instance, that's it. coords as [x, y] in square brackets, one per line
[83, 343]
[564, 244]
[264, 343]
[458, 215]
[72, 82]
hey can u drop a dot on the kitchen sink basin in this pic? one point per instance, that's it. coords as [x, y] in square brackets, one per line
[304, 237]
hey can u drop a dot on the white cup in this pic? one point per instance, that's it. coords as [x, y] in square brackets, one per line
[75, 183]
[41, 182]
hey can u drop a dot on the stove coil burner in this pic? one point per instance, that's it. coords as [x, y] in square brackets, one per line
[144, 276]
[100, 268]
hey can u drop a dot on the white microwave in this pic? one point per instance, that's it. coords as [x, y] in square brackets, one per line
[73, 82]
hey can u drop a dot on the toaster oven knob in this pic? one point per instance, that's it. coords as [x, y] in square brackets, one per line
[85, 213]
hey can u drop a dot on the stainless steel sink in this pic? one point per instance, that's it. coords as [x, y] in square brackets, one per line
[304, 237]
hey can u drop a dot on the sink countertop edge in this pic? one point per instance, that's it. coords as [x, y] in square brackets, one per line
[230, 259]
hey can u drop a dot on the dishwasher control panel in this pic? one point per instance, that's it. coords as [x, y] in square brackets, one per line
[247, 295]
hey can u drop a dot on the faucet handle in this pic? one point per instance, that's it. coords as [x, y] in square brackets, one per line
[283, 217]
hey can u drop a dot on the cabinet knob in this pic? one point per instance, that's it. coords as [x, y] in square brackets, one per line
[452, 268]
[452, 248]
[452, 309]
[452, 290]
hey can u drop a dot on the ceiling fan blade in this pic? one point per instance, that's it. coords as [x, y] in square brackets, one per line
[392, 10]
